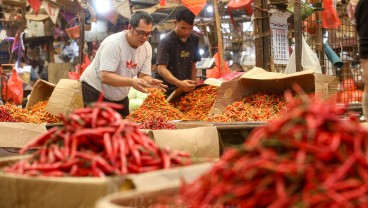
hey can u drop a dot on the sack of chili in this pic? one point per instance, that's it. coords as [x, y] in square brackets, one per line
[95, 141]
[307, 158]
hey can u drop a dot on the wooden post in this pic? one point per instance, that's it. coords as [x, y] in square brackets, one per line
[257, 31]
[298, 35]
[261, 28]
[219, 35]
[266, 39]
[319, 37]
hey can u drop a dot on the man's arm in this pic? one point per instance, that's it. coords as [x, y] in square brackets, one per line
[115, 80]
[152, 82]
[112, 79]
[186, 85]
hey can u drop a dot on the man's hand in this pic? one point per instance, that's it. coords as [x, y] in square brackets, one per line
[158, 84]
[187, 85]
[140, 84]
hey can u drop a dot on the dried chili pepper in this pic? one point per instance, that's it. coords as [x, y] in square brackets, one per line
[197, 104]
[156, 123]
[155, 105]
[85, 146]
[255, 107]
[309, 157]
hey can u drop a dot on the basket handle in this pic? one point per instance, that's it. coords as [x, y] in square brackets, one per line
[72, 20]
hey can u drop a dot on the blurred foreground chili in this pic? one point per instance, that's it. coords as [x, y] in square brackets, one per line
[95, 141]
[307, 158]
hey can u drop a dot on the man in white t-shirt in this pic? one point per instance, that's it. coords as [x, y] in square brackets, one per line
[120, 58]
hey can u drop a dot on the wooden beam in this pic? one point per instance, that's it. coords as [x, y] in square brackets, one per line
[20, 4]
[298, 35]
[266, 39]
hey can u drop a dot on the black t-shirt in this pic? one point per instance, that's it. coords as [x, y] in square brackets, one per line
[361, 16]
[178, 56]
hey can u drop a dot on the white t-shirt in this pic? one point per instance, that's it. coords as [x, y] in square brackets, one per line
[116, 55]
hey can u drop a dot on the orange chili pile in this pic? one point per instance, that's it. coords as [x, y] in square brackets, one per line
[38, 110]
[155, 105]
[307, 158]
[22, 114]
[255, 107]
[36, 114]
[196, 104]
[95, 141]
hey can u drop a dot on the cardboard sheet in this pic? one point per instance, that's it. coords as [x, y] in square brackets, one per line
[66, 97]
[41, 91]
[18, 134]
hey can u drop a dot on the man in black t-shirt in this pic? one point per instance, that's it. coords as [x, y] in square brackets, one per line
[178, 53]
[361, 16]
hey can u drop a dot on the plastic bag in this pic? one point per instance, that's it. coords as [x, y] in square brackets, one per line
[13, 92]
[79, 69]
[216, 71]
[330, 18]
[309, 60]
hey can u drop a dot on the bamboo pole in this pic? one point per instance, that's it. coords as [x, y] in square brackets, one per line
[219, 35]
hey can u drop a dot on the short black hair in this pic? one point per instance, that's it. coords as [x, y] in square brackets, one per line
[184, 14]
[137, 16]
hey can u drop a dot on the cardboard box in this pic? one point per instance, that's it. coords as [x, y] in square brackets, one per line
[259, 80]
[58, 71]
[66, 97]
[18, 134]
[165, 183]
[15, 135]
[46, 192]
[200, 139]
[41, 91]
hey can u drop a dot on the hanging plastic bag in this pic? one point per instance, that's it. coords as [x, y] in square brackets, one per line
[86, 63]
[79, 69]
[13, 91]
[309, 60]
[330, 18]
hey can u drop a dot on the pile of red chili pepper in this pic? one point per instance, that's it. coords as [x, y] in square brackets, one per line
[307, 158]
[255, 107]
[197, 104]
[95, 141]
[156, 124]
[36, 114]
[155, 105]
[5, 115]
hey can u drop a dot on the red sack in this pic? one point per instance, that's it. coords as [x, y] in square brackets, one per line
[13, 91]
[330, 19]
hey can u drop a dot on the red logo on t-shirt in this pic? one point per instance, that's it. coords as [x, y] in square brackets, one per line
[130, 64]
